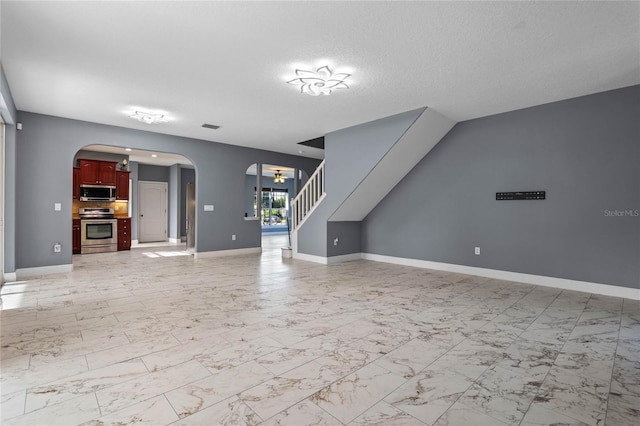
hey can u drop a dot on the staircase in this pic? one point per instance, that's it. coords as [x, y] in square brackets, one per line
[308, 198]
[363, 164]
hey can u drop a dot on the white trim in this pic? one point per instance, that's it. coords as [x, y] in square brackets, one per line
[332, 260]
[10, 277]
[43, 270]
[294, 242]
[175, 240]
[134, 243]
[223, 253]
[562, 283]
[310, 258]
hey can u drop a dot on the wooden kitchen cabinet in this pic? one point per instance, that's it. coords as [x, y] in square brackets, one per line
[76, 183]
[77, 237]
[124, 233]
[95, 172]
[122, 185]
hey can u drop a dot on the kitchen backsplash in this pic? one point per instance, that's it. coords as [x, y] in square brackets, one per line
[120, 208]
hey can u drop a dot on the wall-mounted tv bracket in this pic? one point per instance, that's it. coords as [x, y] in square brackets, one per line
[521, 195]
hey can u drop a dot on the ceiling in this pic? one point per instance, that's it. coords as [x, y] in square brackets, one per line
[226, 63]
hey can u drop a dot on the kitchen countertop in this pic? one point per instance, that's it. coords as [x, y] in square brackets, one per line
[115, 217]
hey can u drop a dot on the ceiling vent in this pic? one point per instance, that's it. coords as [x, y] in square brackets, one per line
[210, 126]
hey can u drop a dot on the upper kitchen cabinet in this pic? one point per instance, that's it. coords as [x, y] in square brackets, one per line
[94, 172]
[122, 185]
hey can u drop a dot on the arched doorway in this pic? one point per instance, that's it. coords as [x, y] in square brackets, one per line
[270, 204]
[137, 170]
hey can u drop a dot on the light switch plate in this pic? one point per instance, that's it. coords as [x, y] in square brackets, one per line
[208, 207]
[57, 207]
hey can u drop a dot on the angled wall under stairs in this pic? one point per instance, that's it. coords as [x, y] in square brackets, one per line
[363, 164]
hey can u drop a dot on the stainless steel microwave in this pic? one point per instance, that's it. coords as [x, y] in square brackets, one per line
[97, 193]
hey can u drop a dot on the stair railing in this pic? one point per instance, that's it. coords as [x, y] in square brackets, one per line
[308, 197]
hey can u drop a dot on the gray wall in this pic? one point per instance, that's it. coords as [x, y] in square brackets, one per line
[133, 198]
[174, 201]
[9, 116]
[102, 156]
[152, 173]
[584, 152]
[250, 185]
[350, 154]
[47, 145]
[186, 175]
[349, 238]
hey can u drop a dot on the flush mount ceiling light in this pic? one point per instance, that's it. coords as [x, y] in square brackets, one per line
[149, 117]
[278, 177]
[319, 82]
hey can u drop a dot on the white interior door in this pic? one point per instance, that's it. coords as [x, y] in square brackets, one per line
[152, 211]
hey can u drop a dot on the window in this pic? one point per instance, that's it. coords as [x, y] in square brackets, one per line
[275, 206]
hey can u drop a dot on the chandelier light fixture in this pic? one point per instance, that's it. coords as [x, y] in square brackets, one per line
[319, 82]
[149, 117]
[278, 177]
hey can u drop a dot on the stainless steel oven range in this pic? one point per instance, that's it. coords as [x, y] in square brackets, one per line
[99, 230]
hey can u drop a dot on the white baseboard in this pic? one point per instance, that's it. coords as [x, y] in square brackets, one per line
[332, 260]
[42, 270]
[310, 258]
[175, 240]
[541, 280]
[134, 243]
[10, 277]
[223, 253]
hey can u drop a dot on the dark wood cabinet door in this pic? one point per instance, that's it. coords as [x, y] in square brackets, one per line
[107, 173]
[77, 237]
[89, 172]
[95, 172]
[124, 234]
[122, 185]
[76, 183]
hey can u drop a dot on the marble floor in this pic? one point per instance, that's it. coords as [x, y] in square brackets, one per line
[156, 336]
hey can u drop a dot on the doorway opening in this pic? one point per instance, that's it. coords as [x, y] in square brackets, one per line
[165, 223]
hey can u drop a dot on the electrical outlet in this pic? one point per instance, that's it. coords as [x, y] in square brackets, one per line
[477, 251]
[335, 242]
[233, 237]
[57, 207]
[57, 248]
